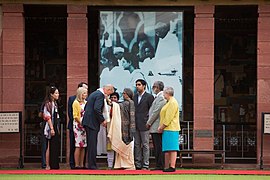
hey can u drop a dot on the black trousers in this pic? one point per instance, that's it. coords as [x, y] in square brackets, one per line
[159, 156]
[54, 150]
[72, 148]
[91, 147]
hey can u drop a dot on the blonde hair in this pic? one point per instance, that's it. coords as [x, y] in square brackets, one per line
[80, 91]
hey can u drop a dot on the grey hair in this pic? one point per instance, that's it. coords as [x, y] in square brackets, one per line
[160, 85]
[129, 92]
[169, 90]
[109, 87]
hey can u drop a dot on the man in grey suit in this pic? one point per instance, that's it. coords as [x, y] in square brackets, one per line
[142, 102]
[93, 117]
[153, 123]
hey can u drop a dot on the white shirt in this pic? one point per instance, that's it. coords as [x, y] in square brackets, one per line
[140, 97]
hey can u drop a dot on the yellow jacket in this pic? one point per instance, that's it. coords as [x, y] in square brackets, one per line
[169, 115]
[77, 110]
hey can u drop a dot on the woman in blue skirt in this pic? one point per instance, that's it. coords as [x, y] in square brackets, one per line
[169, 127]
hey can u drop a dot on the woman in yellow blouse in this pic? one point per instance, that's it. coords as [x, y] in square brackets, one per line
[79, 131]
[169, 126]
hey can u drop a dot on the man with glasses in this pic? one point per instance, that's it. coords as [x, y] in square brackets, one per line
[153, 123]
[142, 102]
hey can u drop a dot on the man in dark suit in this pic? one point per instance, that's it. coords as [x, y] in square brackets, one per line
[142, 102]
[70, 127]
[92, 119]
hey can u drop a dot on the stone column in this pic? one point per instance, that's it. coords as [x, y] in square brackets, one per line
[263, 79]
[204, 81]
[77, 51]
[12, 77]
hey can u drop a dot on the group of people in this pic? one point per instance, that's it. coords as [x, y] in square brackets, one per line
[128, 127]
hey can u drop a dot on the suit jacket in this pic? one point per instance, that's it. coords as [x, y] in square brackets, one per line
[141, 110]
[93, 111]
[70, 112]
[154, 111]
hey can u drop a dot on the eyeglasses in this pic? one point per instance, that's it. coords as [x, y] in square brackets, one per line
[138, 84]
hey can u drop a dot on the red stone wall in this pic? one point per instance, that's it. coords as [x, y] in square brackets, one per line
[203, 80]
[77, 51]
[263, 76]
[1, 58]
[12, 77]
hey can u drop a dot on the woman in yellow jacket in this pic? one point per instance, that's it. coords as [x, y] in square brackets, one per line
[79, 131]
[169, 126]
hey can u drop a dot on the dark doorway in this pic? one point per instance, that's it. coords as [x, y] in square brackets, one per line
[45, 65]
[93, 48]
[236, 82]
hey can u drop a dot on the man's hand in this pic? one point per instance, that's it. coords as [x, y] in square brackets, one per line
[104, 123]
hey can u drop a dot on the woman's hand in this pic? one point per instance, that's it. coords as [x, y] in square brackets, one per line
[52, 132]
[161, 128]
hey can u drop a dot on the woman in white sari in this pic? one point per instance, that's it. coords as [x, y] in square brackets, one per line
[122, 130]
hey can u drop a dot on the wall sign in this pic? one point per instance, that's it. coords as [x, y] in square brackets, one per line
[203, 133]
[266, 121]
[9, 122]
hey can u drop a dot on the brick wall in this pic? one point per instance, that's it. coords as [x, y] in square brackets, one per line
[203, 80]
[263, 76]
[12, 77]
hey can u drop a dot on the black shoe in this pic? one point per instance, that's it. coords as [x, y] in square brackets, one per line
[138, 168]
[170, 169]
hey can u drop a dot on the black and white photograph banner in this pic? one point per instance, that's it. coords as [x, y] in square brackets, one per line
[141, 45]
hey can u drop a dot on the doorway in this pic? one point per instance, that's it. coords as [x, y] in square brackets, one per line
[45, 65]
[236, 82]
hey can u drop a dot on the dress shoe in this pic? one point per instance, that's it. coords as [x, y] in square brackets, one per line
[170, 169]
[138, 168]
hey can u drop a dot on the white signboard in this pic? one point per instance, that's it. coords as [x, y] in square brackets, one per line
[267, 123]
[9, 122]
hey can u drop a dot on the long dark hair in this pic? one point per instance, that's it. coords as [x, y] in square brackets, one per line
[49, 91]
[48, 98]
